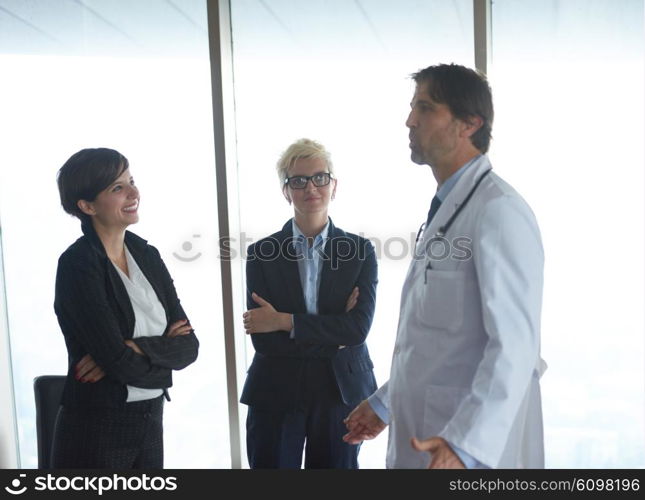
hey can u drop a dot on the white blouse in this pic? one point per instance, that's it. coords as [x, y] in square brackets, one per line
[149, 314]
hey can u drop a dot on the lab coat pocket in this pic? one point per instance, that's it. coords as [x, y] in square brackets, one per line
[442, 300]
[441, 404]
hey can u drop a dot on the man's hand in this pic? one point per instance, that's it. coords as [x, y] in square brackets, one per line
[352, 300]
[88, 371]
[363, 423]
[265, 318]
[442, 456]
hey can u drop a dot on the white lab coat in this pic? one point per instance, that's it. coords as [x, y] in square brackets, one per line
[466, 362]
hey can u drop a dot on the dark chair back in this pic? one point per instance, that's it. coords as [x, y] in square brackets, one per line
[48, 390]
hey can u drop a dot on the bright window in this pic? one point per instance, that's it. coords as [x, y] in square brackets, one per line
[133, 76]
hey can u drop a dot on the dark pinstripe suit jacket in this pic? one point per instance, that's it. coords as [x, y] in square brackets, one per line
[96, 316]
[273, 379]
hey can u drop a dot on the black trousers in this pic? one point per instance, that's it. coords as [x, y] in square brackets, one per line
[277, 439]
[110, 438]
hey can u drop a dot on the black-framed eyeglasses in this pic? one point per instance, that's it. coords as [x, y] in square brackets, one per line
[300, 181]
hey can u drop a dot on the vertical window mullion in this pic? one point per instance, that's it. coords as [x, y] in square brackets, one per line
[482, 34]
[219, 32]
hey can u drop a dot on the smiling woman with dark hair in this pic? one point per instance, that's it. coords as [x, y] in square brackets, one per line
[124, 327]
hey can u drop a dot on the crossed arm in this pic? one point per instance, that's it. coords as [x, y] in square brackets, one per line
[271, 328]
[87, 370]
[266, 319]
[86, 317]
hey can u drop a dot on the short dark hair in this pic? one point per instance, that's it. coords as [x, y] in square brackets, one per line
[85, 175]
[466, 93]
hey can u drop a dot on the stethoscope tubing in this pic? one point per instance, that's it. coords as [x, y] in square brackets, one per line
[444, 228]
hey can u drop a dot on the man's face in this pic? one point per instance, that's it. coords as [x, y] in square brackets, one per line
[434, 131]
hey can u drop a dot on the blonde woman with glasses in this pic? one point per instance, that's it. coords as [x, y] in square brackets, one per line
[311, 292]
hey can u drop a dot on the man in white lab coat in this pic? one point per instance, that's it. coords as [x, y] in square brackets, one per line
[464, 381]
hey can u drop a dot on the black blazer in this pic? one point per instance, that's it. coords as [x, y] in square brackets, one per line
[96, 316]
[272, 272]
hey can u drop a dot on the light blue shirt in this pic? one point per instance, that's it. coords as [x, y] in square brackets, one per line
[309, 265]
[377, 405]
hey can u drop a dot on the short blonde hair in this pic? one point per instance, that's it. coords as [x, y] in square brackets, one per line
[302, 148]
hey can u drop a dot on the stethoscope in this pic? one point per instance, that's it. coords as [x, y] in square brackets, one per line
[441, 232]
